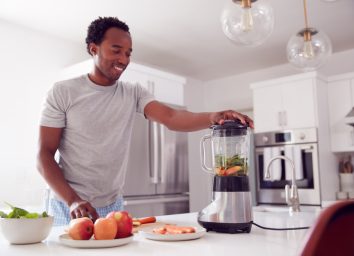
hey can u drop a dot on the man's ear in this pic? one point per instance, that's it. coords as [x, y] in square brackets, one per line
[93, 49]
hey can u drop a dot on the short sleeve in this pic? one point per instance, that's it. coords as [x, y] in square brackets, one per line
[144, 97]
[53, 113]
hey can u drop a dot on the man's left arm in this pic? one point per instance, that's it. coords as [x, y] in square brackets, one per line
[183, 120]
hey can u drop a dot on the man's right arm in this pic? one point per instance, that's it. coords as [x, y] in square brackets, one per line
[49, 139]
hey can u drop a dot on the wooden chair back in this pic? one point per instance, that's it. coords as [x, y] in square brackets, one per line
[333, 232]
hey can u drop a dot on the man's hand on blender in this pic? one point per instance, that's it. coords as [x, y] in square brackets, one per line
[220, 117]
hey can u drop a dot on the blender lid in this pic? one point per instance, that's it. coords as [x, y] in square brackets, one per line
[230, 128]
[229, 124]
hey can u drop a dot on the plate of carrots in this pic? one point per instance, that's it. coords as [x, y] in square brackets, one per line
[170, 232]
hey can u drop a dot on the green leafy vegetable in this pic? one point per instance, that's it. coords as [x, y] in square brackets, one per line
[3, 215]
[223, 162]
[32, 215]
[17, 213]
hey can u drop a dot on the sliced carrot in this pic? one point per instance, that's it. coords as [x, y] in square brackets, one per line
[220, 171]
[179, 229]
[233, 170]
[151, 219]
[161, 230]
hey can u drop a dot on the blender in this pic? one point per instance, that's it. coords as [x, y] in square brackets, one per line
[230, 210]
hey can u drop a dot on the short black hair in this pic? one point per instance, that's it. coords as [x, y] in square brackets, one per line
[98, 28]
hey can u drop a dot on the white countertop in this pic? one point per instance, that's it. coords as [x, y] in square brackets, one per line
[257, 242]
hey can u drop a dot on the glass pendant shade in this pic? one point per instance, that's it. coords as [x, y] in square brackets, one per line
[309, 49]
[247, 22]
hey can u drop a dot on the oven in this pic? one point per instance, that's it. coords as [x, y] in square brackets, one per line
[301, 147]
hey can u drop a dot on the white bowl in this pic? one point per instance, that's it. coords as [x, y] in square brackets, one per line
[26, 231]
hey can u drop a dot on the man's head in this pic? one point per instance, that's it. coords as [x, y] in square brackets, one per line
[98, 27]
[109, 43]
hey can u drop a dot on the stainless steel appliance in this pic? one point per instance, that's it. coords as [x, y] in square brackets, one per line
[157, 177]
[230, 210]
[301, 147]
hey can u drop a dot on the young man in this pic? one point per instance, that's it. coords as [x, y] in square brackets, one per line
[87, 120]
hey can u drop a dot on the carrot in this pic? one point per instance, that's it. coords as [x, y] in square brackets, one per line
[220, 171]
[171, 229]
[161, 230]
[151, 219]
[233, 170]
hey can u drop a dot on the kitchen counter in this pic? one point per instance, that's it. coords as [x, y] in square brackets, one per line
[258, 242]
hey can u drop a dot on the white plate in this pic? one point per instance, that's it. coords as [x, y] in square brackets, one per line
[92, 243]
[199, 232]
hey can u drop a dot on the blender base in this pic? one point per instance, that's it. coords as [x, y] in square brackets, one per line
[231, 228]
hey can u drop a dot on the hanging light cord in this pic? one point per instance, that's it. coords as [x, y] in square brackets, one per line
[305, 14]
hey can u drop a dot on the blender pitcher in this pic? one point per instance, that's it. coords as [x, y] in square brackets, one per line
[230, 210]
[229, 149]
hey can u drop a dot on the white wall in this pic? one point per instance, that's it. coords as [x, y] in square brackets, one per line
[199, 181]
[30, 62]
[234, 91]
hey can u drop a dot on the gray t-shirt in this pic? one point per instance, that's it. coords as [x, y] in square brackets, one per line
[97, 122]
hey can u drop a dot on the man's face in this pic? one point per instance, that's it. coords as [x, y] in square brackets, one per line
[112, 56]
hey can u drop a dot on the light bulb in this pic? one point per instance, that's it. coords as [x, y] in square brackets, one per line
[308, 50]
[246, 19]
[247, 22]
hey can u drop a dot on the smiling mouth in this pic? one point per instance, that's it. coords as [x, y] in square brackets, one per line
[119, 68]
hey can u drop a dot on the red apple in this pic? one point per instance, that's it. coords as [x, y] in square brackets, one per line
[81, 228]
[105, 229]
[124, 223]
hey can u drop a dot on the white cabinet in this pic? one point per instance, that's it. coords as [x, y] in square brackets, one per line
[341, 101]
[166, 87]
[285, 103]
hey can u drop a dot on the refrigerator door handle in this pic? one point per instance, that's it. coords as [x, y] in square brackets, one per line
[155, 200]
[154, 165]
[163, 171]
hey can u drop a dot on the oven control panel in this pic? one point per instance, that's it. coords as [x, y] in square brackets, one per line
[286, 137]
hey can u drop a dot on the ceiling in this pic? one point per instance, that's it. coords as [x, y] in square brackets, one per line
[185, 36]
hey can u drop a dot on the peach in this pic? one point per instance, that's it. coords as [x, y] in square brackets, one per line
[105, 229]
[81, 228]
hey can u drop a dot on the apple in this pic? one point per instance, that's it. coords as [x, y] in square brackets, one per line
[124, 223]
[105, 229]
[81, 228]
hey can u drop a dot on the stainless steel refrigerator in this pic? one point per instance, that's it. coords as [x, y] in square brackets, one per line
[157, 175]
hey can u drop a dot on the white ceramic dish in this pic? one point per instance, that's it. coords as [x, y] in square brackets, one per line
[92, 243]
[26, 231]
[199, 232]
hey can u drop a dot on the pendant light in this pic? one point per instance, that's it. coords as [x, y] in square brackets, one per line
[247, 22]
[309, 48]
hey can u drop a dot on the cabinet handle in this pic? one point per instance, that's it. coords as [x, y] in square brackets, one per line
[151, 87]
[279, 118]
[285, 119]
[352, 137]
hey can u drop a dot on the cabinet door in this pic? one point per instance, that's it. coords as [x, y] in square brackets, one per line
[299, 104]
[340, 103]
[134, 76]
[166, 90]
[267, 103]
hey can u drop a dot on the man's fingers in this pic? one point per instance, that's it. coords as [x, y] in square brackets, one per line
[93, 213]
[82, 209]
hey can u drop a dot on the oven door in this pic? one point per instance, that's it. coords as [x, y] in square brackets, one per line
[271, 191]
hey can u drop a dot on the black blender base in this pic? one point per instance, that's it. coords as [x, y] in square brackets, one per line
[231, 228]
